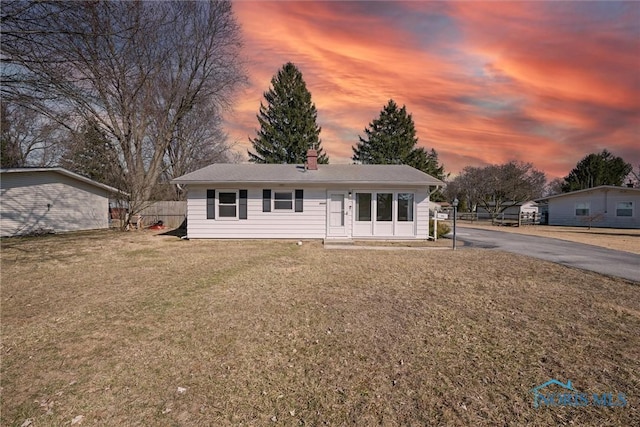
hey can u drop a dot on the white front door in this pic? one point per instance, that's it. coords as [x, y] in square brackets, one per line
[336, 213]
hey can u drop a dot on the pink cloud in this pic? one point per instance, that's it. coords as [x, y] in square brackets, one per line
[485, 82]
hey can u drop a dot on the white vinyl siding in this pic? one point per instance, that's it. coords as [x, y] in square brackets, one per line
[312, 222]
[51, 201]
[603, 202]
[285, 224]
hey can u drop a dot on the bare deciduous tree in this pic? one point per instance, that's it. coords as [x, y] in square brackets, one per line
[28, 138]
[498, 187]
[139, 70]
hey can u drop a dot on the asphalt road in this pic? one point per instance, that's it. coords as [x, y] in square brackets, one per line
[578, 255]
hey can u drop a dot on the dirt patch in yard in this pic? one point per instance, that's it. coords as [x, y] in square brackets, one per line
[627, 240]
[141, 329]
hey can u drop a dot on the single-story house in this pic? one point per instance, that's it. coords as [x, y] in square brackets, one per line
[603, 206]
[52, 200]
[512, 211]
[308, 201]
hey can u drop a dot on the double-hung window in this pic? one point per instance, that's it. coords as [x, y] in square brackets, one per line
[583, 209]
[227, 204]
[624, 209]
[282, 200]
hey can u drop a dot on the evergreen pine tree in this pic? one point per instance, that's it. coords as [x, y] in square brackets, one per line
[90, 154]
[597, 169]
[391, 140]
[288, 122]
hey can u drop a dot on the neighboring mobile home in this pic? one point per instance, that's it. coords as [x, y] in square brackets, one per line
[310, 201]
[603, 206]
[51, 199]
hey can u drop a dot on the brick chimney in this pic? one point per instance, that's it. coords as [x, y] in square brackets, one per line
[312, 160]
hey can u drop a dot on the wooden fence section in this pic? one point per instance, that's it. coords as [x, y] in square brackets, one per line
[514, 219]
[172, 214]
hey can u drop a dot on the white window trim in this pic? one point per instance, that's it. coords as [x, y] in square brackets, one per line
[394, 205]
[633, 207]
[273, 200]
[588, 208]
[413, 206]
[227, 218]
[371, 203]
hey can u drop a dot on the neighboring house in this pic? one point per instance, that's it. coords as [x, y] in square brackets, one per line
[311, 201]
[512, 211]
[603, 206]
[51, 199]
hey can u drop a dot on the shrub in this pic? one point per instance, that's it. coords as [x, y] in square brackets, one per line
[443, 228]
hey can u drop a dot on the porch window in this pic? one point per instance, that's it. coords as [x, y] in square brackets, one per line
[405, 207]
[624, 209]
[227, 204]
[582, 209]
[384, 207]
[283, 200]
[363, 206]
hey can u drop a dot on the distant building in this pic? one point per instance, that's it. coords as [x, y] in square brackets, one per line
[603, 206]
[512, 211]
[51, 200]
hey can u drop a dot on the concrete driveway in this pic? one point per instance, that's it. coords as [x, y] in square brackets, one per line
[587, 257]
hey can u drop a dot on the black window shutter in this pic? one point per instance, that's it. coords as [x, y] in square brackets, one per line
[242, 214]
[211, 204]
[266, 200]
[299, 198]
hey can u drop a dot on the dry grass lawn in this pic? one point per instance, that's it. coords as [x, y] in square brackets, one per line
[133, 328]
[627, 240]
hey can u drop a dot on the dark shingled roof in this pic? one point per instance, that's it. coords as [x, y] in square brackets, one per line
[326, 174]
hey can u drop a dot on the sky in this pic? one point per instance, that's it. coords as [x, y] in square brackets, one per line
[485, 82]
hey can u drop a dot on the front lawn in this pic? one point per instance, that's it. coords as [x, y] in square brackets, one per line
[114, 328]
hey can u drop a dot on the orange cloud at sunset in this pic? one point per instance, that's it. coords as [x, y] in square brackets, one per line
[541, 82]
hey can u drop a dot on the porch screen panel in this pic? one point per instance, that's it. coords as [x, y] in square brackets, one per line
[363, 206]
[405, 207]
[384, 207]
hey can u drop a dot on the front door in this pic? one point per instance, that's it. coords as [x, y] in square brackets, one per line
[336, 213]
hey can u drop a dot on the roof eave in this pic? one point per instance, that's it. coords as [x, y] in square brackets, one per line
[261, 182]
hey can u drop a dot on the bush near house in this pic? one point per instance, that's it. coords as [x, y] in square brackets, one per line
[443, 228]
